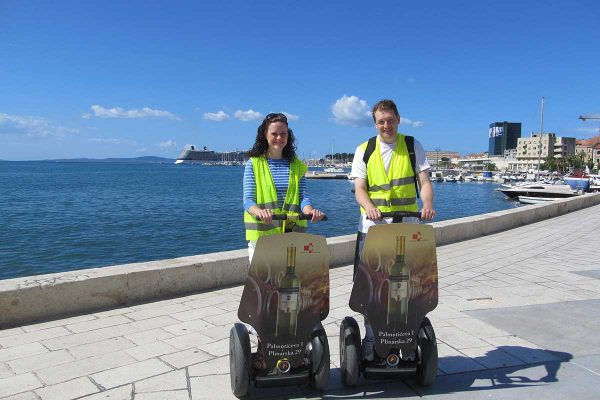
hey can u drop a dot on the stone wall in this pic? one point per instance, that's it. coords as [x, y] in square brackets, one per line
[44, 297]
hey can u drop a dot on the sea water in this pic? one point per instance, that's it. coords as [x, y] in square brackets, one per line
[62, 216]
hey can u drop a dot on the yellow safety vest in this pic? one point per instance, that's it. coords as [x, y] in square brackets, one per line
[266, 198]
[394, 190]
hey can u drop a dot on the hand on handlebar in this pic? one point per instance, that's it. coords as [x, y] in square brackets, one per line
[265, 216]
[317, 215]
[427, 214]
[373, 214]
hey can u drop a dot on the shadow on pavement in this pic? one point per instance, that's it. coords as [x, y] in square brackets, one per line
[536, 367]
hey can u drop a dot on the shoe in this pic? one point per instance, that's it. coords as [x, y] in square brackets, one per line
[368, 352]
[258, 358]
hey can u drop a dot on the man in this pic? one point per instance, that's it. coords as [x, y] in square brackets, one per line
[387, 182]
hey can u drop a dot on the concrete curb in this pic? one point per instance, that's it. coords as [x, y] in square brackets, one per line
[50, 296]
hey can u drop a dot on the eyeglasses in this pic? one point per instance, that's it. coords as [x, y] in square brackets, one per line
[276, 115]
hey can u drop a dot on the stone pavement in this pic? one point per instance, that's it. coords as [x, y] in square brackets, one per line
[517, 318]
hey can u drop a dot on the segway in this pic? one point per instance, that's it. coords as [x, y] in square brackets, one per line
[395, 286]
[285, 298]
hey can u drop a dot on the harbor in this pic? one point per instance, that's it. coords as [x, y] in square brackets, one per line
[100, 214]
[174, 345]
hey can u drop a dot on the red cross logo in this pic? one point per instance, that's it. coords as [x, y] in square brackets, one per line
[416, 236]
[308, 247]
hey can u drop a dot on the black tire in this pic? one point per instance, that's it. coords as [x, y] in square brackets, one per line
[350, 351]
[240, 364]
[428, 361]
[319, 377]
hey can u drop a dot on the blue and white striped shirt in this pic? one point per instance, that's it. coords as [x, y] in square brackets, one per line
[280, 170]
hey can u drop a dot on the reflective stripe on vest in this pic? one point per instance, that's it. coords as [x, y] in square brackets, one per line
[266, 198]
[394, 190]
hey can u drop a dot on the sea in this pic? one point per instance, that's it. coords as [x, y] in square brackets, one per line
[64, 216]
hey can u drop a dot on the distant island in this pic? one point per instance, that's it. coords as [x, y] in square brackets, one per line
[145, 159]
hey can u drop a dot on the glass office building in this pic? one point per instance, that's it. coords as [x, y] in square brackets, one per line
[503, 136]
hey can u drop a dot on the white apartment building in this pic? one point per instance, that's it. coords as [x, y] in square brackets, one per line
[436, 156]
[537, 148]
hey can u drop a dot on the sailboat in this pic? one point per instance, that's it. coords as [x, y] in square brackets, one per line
[333, 168]
[537, 189]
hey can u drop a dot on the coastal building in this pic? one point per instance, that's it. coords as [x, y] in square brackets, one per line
[503, 136]
[590, 148]
[540, 147]
[476, 161]
[437, 156]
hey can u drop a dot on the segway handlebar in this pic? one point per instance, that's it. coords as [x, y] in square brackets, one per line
[284, 217]
[400, 214]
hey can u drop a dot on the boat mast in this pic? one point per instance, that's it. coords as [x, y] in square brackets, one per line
[537, 178]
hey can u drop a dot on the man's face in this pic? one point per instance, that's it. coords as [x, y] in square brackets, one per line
[386, 123]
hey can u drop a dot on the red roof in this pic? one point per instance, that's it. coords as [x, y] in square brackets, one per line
[593, 142]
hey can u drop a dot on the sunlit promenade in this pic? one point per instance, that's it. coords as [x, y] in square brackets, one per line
[517, 318]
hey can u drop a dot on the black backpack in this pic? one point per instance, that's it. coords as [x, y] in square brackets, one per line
[410, 144]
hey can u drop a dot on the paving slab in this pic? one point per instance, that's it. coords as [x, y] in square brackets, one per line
[570, 327]
[517, 319]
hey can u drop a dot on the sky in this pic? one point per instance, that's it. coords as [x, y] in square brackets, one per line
[138, 78]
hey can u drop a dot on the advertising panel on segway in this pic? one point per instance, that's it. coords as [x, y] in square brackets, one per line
[395, 286]
[285, 298]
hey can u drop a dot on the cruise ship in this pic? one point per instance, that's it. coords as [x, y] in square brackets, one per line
[192, 154]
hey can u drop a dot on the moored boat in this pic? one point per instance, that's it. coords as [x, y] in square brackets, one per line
[578, 180]
[536, 200]
[537, 189]
[334, 170]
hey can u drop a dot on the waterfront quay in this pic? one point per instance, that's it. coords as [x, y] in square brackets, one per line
[517, 318]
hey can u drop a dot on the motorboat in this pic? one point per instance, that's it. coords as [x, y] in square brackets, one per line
[537, 189]
[334, 170]
[536, 200]
[578, 180]
[436, 176]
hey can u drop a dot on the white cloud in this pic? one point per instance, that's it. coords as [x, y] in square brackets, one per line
[31, 126]
[218, 116]
[291, 117]
[141, 150]
[410, 122]
[168, 145]
[350, 110]
[249, 115]
[118, 112]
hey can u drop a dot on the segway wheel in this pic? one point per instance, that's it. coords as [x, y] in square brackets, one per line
[428, 362]
[239, 360]
[319, 377]
[350, 351]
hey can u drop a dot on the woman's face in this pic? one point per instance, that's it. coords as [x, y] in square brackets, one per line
[277, 136]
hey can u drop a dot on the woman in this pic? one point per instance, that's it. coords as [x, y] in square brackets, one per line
[274, 182]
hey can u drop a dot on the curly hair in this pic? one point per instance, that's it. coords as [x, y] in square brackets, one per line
[261, 145]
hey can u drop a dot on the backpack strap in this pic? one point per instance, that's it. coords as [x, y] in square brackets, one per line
[410, 145]
[369, 150]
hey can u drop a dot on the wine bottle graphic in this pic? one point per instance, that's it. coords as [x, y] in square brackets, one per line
[399, 287]
[287, 305]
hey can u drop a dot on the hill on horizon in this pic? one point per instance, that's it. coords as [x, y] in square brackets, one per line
[143, 159]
